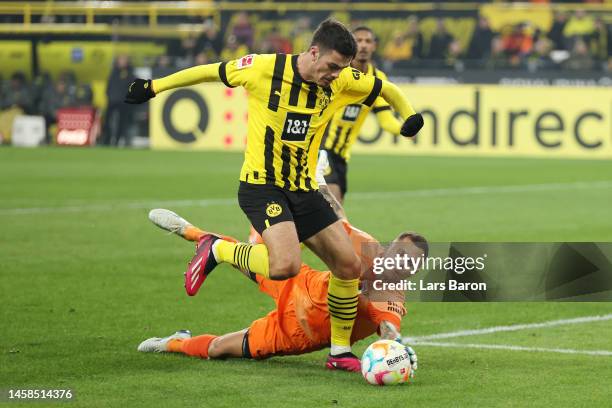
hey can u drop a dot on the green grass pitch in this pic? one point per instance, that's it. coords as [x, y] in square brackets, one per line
[85, 277]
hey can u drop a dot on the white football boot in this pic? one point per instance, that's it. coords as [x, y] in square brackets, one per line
[160, 345]
[169, 221]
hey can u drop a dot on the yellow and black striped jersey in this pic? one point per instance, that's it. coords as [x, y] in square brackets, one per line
[343, 130]
[288, 116]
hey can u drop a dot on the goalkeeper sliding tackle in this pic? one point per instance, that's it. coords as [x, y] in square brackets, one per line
[300, 323]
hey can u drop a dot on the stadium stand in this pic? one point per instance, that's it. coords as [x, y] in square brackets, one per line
[60, 54]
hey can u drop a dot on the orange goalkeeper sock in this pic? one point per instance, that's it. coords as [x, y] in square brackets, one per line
[195, 346]
[192, 233]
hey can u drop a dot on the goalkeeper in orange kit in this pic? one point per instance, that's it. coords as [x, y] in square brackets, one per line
[300, 323]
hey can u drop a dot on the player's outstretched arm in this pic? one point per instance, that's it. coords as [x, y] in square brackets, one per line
[413, 122]
[141, 90]
[388, 121]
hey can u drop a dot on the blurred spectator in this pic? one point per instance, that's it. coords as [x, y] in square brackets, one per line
[580, 26]
[439, 42]
[202, 59]
[480, 44]
[453, 58]
[17, 94]
[498, 58]
[233, 49]
[415, 38]
[599, 42]
[61, 94]
[396, 50]
[540, 58]
[275, 43]
[117, 120]
[210, 42]
[517, 44]
[243, 30]
[188, 51]
[556, 31]
[580, 59]
[16, 100]
[84, 95]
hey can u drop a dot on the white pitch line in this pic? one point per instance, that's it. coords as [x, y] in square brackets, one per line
[514, 348]
[514, 327]
[358, 196]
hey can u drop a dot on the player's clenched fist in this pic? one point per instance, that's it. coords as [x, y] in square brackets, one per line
[139, 91]
[412, 125]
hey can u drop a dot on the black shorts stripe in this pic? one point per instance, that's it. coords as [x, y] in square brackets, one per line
[296, 83]
[246, 351]
[269, 155]
[223, 74]
[375, 92]
[277, 82]
[312, 96]
[299, 156]
[286, 169]
[381, 108]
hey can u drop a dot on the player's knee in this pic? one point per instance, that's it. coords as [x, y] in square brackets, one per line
[214, 351]
[284, 268]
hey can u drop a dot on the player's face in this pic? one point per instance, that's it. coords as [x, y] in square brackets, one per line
[327, 65]
[366, 45]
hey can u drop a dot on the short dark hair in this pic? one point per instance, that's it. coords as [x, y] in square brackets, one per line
[333, 35]
[418, 240]
[365, 28]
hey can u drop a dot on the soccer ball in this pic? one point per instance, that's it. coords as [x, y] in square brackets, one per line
[386, 362]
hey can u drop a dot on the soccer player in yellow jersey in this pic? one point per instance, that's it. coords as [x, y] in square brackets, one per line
[290, 100]
[344, 127]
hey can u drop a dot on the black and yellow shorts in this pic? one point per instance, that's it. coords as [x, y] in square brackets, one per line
[266, 205]
[337, 171]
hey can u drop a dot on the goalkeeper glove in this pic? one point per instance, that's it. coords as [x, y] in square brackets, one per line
[412, 125]
[394, 334]
[139, 91]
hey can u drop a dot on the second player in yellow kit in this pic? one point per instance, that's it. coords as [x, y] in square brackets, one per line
[290, 100]
[343, 130]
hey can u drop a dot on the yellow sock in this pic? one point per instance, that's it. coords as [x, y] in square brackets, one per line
[253, 258]
[342, 299]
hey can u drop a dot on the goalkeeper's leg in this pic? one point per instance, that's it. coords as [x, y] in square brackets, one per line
[202, 346]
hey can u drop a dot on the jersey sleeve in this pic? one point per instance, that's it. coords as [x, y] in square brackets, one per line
[239, 72]
[380, 104]
[357, 86]
[389, 311]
